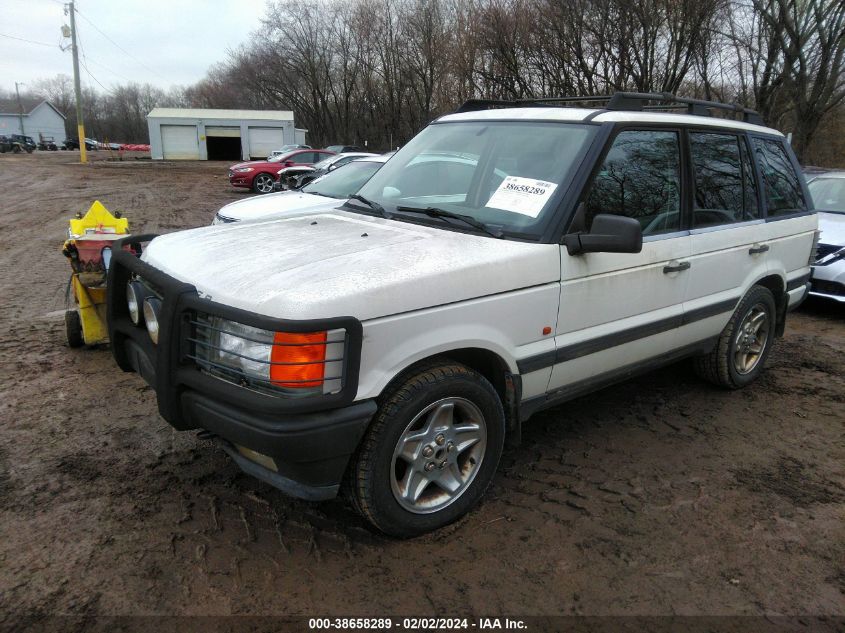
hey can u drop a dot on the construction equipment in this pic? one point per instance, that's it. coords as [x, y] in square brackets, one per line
[89, 249]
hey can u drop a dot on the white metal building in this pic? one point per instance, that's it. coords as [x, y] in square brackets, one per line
[198, 134]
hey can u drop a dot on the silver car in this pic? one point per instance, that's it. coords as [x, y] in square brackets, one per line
[828, 191]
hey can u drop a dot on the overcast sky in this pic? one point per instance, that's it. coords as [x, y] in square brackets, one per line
[170, 41]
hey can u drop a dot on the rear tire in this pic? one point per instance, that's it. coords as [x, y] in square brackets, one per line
[744, 345]
[430, 452]
[73, 329]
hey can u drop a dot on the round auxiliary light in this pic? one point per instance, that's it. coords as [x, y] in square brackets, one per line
[152, 306]
[134, 299]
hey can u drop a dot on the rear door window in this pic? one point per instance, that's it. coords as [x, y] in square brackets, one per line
[781, 184]
[724, 190]
[640, 178]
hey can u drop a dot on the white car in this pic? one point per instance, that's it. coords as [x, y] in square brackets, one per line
[324, 194]
[288, 174]
[828, 191]
[503, 261]
[287, 149]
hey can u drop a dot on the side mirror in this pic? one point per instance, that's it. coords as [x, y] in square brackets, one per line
[288, 163]
[609, 234]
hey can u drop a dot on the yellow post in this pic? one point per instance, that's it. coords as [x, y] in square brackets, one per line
[83, 156]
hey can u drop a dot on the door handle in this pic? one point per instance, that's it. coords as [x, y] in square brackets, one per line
[756, 250]
[676, 268]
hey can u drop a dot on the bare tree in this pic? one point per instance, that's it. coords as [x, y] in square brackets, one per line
[377, 71]
[791, 58]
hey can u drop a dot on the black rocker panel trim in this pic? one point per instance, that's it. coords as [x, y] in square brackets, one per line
[591, 346]
[796, 283]
[532, 405]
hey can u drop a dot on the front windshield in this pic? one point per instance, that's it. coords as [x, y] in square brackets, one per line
[828, 194]
[344, 181]
[508, 175]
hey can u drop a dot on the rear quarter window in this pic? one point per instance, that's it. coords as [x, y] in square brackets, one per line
[781, 184]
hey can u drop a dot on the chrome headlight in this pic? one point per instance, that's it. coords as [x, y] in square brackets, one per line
[293, 363]
[244, 347]
[243, 170]
[134, 299]
[152, 306]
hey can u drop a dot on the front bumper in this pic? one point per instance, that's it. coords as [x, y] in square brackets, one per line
[304, 444]
[828, 279]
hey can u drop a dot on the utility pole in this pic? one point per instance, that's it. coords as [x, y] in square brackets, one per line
[80, 126]
[20, 105]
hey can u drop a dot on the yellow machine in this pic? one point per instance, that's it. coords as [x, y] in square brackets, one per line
[88, 247]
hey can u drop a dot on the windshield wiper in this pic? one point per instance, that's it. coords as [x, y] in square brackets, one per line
[375, 206]
[325, 195]
[435, 212]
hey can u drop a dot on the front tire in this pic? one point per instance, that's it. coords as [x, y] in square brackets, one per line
[263, 183]
[431, 451]
[744, 344]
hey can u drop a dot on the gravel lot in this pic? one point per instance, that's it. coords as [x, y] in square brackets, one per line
[659, 496]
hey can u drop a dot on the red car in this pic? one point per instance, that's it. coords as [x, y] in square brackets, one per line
[259, 175]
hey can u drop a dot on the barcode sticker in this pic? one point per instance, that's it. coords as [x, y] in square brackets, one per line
[525, 196]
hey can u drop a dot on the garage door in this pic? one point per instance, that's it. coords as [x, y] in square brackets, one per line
[179, 142]
[263, 140]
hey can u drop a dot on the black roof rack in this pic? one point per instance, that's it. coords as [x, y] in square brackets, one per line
[622, 101]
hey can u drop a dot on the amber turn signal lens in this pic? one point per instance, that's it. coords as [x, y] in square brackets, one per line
[301, 357]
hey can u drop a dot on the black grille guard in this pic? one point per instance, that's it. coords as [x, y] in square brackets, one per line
[172, 368]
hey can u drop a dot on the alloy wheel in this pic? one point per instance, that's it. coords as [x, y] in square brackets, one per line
[438, 455]
[751, 338]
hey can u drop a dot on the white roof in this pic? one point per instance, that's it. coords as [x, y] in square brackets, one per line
[201, 113]
[551, 113]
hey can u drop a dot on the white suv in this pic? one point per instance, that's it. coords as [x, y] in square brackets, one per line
[508, 258]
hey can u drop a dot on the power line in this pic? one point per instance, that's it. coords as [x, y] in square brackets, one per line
[85, 64]
[127, 53]
[99, 83]
[20, 39]
[107, 69]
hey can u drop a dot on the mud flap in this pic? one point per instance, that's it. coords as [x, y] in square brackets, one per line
[513, 396]
[782, 308]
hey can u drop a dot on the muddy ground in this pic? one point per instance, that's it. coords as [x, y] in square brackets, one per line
[659, 496]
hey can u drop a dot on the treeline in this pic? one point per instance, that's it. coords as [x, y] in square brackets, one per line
[379, 70]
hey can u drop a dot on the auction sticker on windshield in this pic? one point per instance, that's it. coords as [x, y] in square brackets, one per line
[525, 196]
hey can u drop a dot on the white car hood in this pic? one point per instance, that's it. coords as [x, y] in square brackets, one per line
[832, 226]
[347, 264]
[277, 205]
